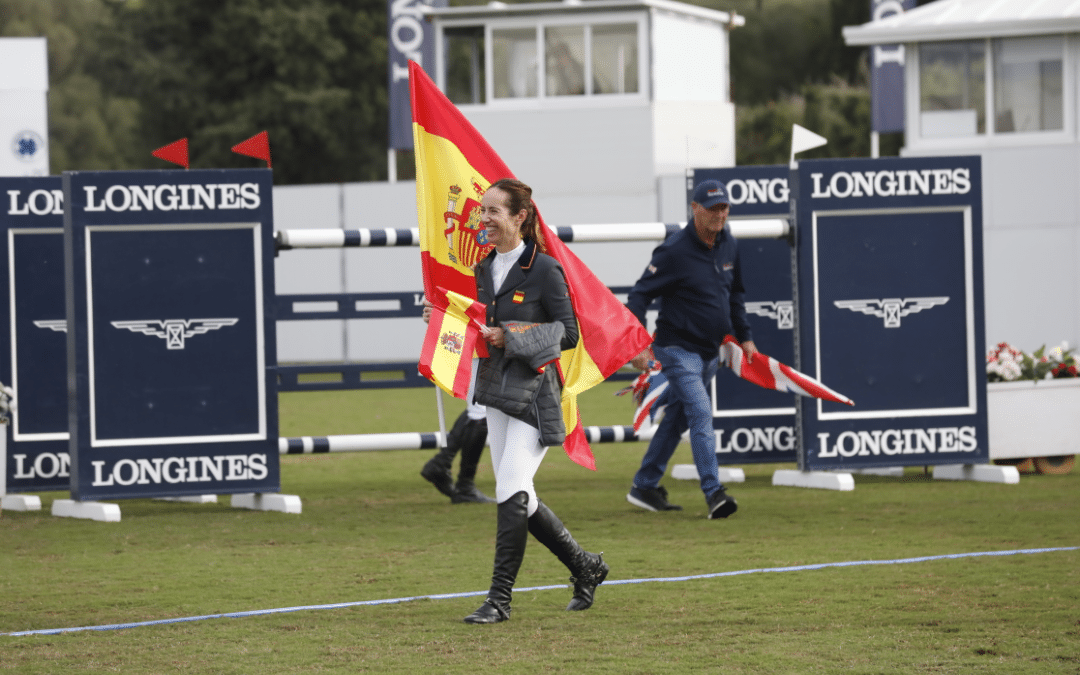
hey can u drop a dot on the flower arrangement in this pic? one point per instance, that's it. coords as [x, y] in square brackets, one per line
[1006, 363]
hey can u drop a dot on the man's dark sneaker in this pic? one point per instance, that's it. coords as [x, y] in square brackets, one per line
[653, 499]
[721, 505]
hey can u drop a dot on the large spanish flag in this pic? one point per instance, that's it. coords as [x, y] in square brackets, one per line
[454, 165]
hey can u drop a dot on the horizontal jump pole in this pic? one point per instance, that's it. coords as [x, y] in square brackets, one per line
[425, 440]
[359, 443]
[337, 238]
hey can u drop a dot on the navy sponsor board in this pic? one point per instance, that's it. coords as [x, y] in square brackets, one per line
[171, 337]
[33, 330]
[890, 302]
[753, 424]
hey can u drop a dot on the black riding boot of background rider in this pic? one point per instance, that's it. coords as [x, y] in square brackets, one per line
[587, 570]
[437, 469]
[510, 540]
[471, 439]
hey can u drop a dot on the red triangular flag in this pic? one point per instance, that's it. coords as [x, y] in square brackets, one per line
[258, 146]
[175, 152]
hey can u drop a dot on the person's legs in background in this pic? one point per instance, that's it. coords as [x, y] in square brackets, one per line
[469, 435]
[689, 407]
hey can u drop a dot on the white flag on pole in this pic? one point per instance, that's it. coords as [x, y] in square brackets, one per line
[803, 139]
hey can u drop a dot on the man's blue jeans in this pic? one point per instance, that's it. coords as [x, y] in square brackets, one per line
[689, 407]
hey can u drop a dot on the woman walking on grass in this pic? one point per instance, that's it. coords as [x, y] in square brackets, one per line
[530, 320]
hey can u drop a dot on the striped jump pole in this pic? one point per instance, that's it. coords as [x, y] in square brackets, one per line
[745, 228]
[359, 443]
[305, 445]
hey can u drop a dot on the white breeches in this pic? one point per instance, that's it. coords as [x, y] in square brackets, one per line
[516, 454]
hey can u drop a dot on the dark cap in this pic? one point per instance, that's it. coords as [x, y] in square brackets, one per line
[709, 193]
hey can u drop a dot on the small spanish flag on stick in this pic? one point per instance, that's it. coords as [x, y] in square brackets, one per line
[446, 357]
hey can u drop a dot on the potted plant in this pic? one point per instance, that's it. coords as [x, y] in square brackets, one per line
[1030, 400]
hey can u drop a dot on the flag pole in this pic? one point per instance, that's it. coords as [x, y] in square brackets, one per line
[442, 416]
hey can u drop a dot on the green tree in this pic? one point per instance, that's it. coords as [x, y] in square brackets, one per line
[88, 129]
[781, 48]
[840, 113]
[837, 111]
[763, 132]
[312, 73]
[790, 66]
[846, 63]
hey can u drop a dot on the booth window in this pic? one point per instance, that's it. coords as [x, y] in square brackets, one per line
[1028, 84]
[952, 88]
[589, 59]
[615, 59]
[514, 63]
[564, 52]
[464, 59]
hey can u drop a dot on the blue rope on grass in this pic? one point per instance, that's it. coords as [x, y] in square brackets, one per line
[473, 594]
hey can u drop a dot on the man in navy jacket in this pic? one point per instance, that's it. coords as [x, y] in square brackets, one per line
[697, 275]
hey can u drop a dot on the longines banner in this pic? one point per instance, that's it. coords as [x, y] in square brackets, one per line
[33, 333]
[169, 340]
[411, 38]
[890, 311]
[887, 72]
[756, 425]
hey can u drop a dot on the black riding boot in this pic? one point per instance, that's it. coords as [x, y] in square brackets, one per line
[513, 533]
[588, 570]
[437, 469]
[471, 440]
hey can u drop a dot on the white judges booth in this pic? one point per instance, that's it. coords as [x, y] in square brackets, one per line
[999, 78]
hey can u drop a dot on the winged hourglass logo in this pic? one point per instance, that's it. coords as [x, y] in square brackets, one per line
[174, 331]
[781, 310]
[891, 309]
[55, 325]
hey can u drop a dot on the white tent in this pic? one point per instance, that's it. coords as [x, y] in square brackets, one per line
[970, 19]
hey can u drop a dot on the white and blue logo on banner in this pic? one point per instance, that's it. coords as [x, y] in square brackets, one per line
[890, 300]
[168, 323]
[411, 39]
[33, 329]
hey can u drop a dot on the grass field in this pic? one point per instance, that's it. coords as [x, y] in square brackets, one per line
[371, 529]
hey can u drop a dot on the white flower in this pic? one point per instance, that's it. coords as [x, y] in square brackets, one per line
[1011, 370]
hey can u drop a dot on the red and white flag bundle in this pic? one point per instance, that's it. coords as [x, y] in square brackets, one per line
[650, 390]
[769, 373]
